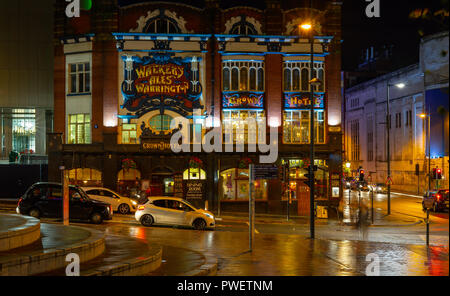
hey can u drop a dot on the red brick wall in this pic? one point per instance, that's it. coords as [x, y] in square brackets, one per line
[59, 90]
[273, 85]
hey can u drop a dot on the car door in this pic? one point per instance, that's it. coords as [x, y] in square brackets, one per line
[78, 207]
[159, 211]
[96, 194]
[111, 198]
[54, 201]
[175, 212]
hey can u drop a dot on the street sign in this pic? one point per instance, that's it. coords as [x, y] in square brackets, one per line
[388, 181]
[264, 171]
[428, 203]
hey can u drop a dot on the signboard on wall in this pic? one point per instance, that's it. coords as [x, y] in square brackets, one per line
[261, 171]
[243, 100]
[302, 100]
[161, 81]
[195, 189]
[178, 185]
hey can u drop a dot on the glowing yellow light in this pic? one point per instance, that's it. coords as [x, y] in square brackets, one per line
[423, 115]
[305, 26]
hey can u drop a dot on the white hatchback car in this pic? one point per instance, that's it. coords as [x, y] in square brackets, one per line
[174, 211]
[121, 204]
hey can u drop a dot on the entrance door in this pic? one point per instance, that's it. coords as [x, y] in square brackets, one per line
[302, 199]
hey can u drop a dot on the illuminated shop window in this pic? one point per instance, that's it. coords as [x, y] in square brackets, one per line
[129, 133]
[296, 127]
[243, 76]
[234, 184]
[237, 119]
[194, 174]
[79, 78]
[85, 177]
[160, 122]
[296, 76]
[79, 129]
[24, 130]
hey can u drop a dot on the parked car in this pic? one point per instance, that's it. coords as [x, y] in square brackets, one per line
[173, 211]
[121, 204]
[440, 199]
[45, 199]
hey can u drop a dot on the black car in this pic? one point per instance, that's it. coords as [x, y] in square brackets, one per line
[440, 199]
[46, 200]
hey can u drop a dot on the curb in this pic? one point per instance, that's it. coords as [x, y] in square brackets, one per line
[20, 235]
[133, 267]
[209, 268]
[37, 263]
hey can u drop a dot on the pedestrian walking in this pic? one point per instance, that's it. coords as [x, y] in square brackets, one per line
[363, 220]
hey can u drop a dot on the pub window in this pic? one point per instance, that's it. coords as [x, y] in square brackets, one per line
[245, 76]
[296, 76]
[129, 133]
[79, 129]
[296, 127]
[241, 131]
[160, 122]
[79, 78]
[194, 174]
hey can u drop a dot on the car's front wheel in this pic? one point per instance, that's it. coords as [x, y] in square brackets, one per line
[199, 224]
[147, 220]
[34, 213]
[124, 209]
[96, 218]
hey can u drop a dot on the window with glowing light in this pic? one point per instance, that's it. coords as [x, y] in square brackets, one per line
[79, 129]
[296, 126]
[129, 135]
[234, 183]
[296, 76]
[24, 130]
[236, 119]
[243, 76]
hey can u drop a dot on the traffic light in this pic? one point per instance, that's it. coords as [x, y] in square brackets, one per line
[361, 175]
[434, 175]
[438, 174]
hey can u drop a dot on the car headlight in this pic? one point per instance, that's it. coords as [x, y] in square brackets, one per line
[134, 202]
[209, 216]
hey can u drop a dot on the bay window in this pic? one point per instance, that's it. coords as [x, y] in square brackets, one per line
[243, 76]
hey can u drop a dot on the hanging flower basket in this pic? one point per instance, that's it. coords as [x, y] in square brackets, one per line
[128, 163]
[195, 163]
[244, 163]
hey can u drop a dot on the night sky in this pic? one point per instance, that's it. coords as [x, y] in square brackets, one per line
[393, 27]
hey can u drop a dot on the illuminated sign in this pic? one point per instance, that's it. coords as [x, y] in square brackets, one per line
[302, 100]
[155, 145]
[160, 81]
[243, 100]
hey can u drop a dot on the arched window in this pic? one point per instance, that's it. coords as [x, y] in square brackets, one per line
[243, 28]
[252, 85]
[160, 122]
[235, 79]
[243, 79]
[305, 79]
[296, 80]
[162, 24]
[226, 78]
[287, 79]
[321, 76]
[260, 79]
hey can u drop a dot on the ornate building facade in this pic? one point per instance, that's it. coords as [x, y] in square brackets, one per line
[124, 70]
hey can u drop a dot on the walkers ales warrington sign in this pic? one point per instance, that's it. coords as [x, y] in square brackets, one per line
[160, 81]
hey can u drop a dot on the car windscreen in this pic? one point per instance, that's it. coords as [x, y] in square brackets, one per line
[189, 204]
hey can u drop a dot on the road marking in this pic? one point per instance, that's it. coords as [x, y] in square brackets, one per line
[416, 196]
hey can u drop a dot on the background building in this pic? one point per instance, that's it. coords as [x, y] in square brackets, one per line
[425, 91]
[26, 76]
[124, 70]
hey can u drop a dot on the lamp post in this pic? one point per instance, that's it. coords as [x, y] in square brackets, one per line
[388, 129]
[428, 135]
[312, 82]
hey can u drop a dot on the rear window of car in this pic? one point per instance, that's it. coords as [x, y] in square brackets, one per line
[160, 203]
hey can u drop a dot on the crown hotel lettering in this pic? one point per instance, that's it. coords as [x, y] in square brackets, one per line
[163, 79]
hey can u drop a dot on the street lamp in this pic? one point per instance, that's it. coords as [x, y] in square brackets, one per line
[428, 135]
[307, 27]
[388, 130]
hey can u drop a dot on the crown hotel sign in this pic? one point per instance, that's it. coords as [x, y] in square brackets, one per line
[160, 81]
